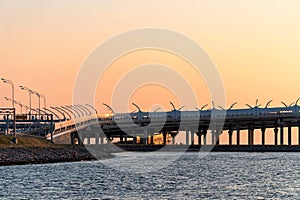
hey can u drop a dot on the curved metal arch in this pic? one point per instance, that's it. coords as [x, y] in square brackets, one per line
[137, 107]
[156, 109]
[172, 105]
[268, 103]
[75, 110]
[232, 105]
[68, 110]
[296, 103]
[92, 108]
[87, 110]
[256, 104]
[62, 112]
[54, 114]
[203, 107]
[284, 104]
[180, 108]
[108, 107]
[83, 111]
[222, 108]
[41, 110]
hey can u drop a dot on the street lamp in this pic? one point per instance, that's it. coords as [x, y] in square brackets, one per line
[39, 96]
[13, 90]
[43, 96]
[29, 92]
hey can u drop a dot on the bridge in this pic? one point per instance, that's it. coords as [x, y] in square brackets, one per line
[81, 124]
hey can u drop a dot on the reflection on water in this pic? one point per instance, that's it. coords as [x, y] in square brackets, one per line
[217, 176]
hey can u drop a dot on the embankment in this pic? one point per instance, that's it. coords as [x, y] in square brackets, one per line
[32, 150]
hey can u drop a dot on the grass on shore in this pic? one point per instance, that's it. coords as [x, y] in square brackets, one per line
[26, 141]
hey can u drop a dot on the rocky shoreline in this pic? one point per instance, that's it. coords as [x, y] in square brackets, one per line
[39, 155]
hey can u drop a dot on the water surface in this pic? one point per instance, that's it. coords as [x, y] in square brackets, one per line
[216, 176]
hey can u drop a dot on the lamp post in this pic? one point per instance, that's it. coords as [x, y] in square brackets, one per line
[12, 89]
[39, 96]
[29, 92]
[44, 98]
[13, 105]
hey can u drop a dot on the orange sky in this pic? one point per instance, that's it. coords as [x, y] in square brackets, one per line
[254, 44]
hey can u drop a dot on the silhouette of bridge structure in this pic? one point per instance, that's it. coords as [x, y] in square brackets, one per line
[78, 124]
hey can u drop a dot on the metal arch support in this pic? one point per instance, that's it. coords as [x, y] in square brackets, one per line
[172, 105]
[222, 108]
[284, 104]
[54, 114]
[83, 107]
[92, 108]
[249, 106]
[268, 103]
[43, 111]
[109, 108]
[137, 107]
[232, 105]
[82, 110]
[69, 110]
[256, 102]
[156, 109]
[203, 107]
[180, 108]
[296, 103]
[78, 112]
[79, 109]
[62, 112]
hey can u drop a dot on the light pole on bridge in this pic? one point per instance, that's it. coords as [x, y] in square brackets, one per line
[29, 92]
[39, 97]
[12, 89]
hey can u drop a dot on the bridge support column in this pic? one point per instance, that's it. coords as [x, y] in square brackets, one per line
[199, 137]
[151, 139]
[121, 138]
[281, 135]
[250, 135]
[263, 135]
[72, 138]
[192, 137]
[298, 134]
[187, 137]
[134, 140]
[238, 136]
[276, 136]
[145, 137]
[217, 136]
[80, 142]
[230, 136]
[289, 134]
[173, 134]
[97, 142]
[213, 137]
[164, 138]
[88, 139]
[101, 140]
[204, 136]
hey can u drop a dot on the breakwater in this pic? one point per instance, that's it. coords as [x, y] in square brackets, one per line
[37, 155]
